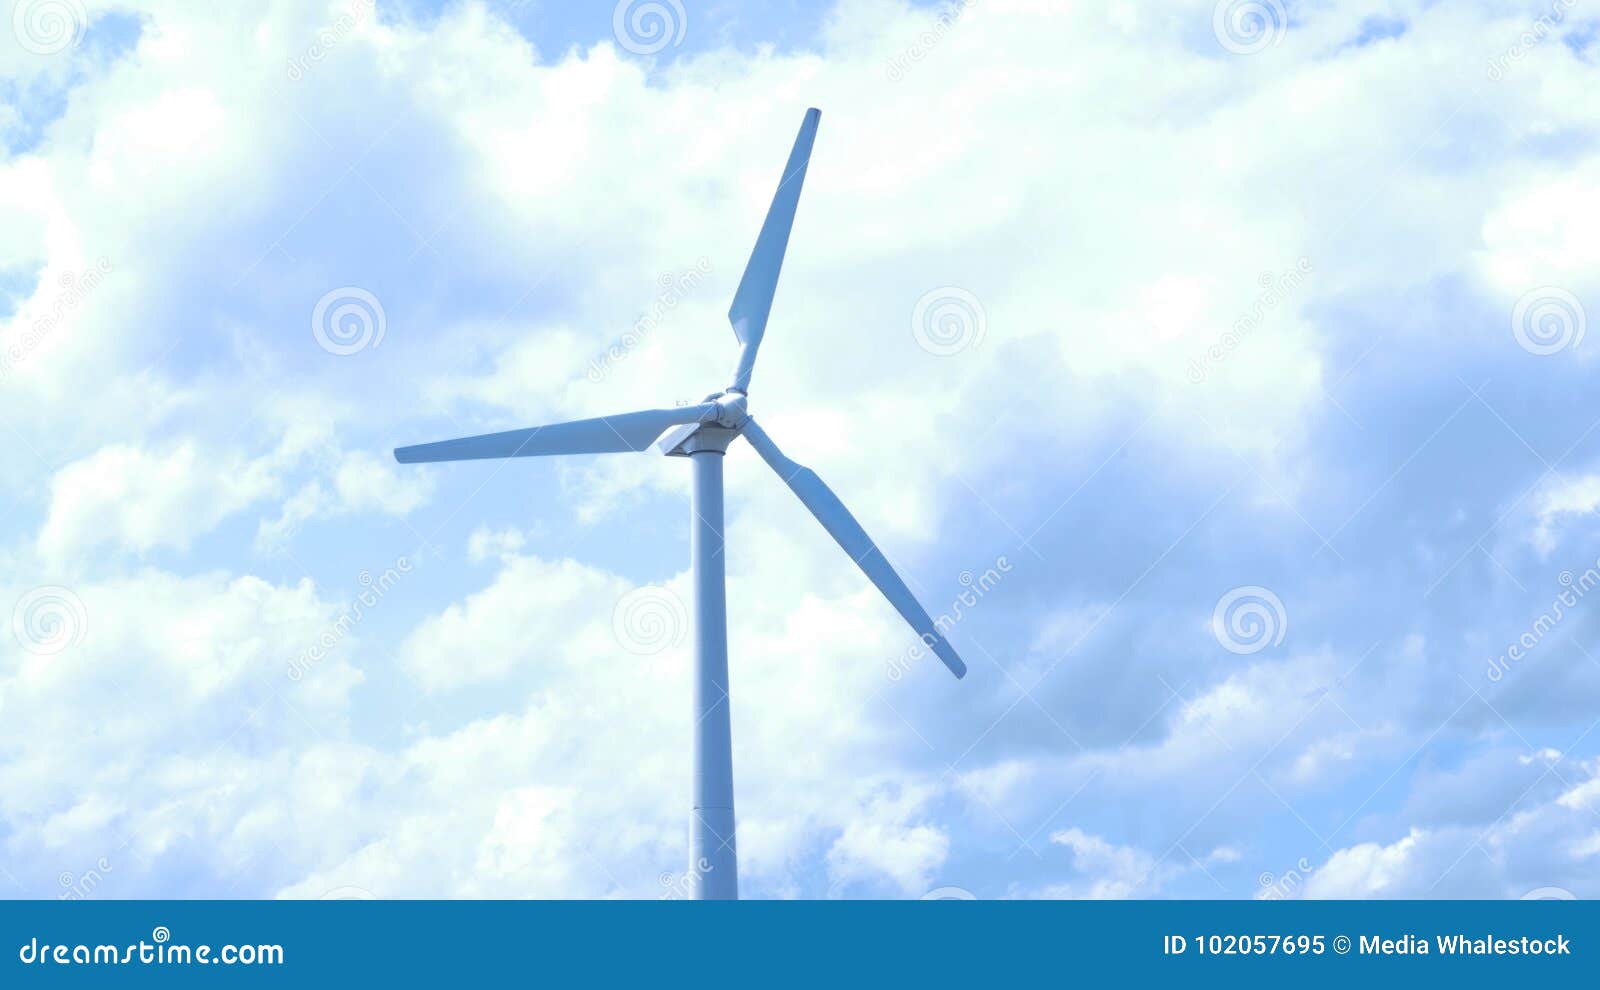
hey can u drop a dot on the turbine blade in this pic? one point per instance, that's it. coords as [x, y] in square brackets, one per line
[632, 431]
[753, 302]
[844, 529]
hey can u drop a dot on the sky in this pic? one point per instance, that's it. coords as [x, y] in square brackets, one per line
[1218, 369]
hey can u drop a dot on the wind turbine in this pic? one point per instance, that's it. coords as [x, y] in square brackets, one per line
[702, 433]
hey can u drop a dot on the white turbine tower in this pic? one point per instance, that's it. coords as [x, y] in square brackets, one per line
[702, 433]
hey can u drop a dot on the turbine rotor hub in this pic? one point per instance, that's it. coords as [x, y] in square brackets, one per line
[733, 408]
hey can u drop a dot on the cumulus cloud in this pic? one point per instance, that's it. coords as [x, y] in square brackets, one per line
[360, 483]
[885, 840]
[1560, 501]
[1455, 862]
[178, 736]
[137, 499]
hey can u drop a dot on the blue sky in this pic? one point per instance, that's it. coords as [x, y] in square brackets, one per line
[1176, 317]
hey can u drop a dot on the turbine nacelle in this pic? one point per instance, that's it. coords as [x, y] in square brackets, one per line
[729, 411]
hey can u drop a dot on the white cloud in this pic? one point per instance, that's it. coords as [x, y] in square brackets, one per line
[1368, 870]
[361, 483]
[535, 616]
[886, 841]
[1538, 235]
[1557, 502]
[1106, 870]
[172, 726]
[138, 499]
[1115, 871]
[1539, 840]
[485, 544]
